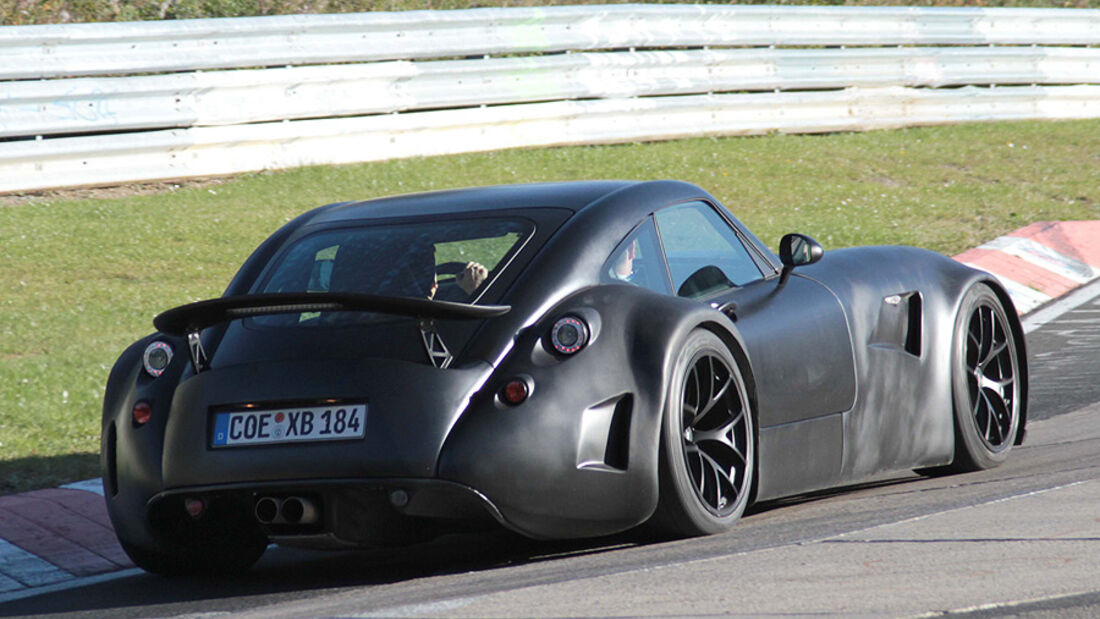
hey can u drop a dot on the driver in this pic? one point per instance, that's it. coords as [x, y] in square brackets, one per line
[623, 267]
[414, 275]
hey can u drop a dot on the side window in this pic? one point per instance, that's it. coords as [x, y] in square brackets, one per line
[637, 261]
[704, 253]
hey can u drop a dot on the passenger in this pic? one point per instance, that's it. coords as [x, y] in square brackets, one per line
[471, 277]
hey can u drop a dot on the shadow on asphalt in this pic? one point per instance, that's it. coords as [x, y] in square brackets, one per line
[288, 573]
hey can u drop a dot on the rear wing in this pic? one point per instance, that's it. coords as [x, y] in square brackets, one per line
[192, 318]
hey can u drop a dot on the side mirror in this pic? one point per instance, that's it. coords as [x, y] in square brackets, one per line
[797, 250]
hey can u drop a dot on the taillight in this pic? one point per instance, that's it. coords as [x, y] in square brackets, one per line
[143, 412]
[515, 392]
[195, 506]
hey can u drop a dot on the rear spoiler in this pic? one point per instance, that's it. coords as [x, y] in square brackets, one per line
[198, 316]
[192, 318]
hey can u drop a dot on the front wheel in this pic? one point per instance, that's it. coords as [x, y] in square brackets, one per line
[707, 442]
[986, 382]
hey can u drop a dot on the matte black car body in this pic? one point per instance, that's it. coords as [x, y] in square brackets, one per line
[849, 365]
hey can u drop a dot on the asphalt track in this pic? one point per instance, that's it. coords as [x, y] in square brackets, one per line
[1019, 540]
[1022, 539]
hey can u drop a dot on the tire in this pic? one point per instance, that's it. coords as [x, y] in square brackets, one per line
[189, 563]
[986, 387]
[224, 542]
[706, 458]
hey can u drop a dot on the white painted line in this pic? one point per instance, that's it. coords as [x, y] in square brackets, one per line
[70, 584]
[1068, 303]
[90, 485]
[26, 568]
[421, 610]
[1002, 605]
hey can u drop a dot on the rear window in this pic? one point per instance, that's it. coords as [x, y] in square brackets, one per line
[442, 260]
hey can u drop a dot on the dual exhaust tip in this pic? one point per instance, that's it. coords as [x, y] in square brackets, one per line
[290, 510]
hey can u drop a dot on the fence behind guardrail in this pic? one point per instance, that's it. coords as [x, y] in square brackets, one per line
[89, 104]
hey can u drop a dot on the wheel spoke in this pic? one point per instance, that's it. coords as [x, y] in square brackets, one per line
[716, 432]
[981, 415]
[721, 433]
[720, 476]
[973, 345]
[691, 398]
[1000, 407]
[726, 454]
[993, 433]
[987, 332]
[695, 467]
[709, 413]
[990, 377]
[994, 353]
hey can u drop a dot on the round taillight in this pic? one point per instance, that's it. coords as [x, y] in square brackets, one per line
[143, 412]
[156, 358]
[569, 335]
[515, 392]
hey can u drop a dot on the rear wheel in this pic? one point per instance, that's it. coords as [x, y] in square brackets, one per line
[199, 562]
[225, 540]
[985, 382]
[707, 442]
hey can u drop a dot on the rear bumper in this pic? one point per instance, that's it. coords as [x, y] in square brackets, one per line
[350, 512]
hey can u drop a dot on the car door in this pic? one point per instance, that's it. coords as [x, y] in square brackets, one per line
[797, 338]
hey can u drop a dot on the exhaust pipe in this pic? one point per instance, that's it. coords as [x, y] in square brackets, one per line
[267, 510]
[291, 510]
[297, 510]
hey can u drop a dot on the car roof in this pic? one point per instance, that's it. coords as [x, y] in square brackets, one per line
[569, 195]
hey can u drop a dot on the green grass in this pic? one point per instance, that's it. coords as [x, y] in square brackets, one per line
[15, 12]
[80, 279]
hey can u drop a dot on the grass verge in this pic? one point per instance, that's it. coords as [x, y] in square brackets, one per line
[82, 278]
[22, 12]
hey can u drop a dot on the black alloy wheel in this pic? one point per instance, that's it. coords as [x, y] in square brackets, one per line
[987, 382]
[708, 442]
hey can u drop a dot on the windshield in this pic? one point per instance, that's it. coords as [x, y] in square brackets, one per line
[442, 260]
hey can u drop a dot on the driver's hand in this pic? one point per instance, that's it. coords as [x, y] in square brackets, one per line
[471, 277]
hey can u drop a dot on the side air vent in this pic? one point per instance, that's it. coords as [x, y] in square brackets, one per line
[604, 442]
[112, 461]
[913, 334]
[900, 323]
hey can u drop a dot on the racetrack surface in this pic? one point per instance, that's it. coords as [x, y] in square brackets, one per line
[1020, 539]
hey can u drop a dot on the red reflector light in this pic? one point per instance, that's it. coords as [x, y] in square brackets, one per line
[142, 413]
[515, 392]
[195, 507]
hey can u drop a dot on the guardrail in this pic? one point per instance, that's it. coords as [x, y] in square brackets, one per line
[384, 85]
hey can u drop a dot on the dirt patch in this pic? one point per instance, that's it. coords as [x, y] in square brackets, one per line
[108, 192]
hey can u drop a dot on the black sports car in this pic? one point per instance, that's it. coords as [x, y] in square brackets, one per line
[566, 360]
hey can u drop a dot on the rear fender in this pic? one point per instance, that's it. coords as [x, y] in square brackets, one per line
[130, 455]
[612, 393]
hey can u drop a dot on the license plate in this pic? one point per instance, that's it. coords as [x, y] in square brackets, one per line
[289, 425]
